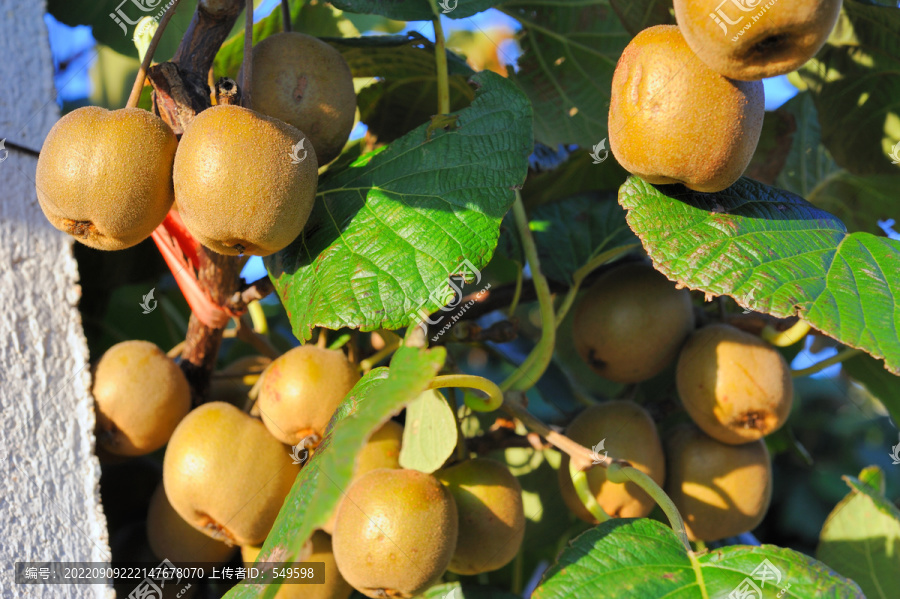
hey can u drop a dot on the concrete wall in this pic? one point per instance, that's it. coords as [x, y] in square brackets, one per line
[49, 494]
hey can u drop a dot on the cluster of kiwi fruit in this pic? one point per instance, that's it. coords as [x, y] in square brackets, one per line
[687, 101]
[109, 178]
[735, 388]
[227, 470]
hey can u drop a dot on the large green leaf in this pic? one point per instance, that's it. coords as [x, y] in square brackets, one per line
[569, 53]
[415, 10]
[102, 17]
[326, 476]
[861, 540]
[395, 57]
[870, 372]
[860, 202]
[571, 232]
[774, 252]
[808, 162]
[579, 173]
[638, 15]
[391, 109]
[809, 171]
[627, 558]
[386, 231]
[856, 90]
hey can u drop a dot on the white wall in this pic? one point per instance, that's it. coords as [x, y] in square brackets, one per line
[49, 494]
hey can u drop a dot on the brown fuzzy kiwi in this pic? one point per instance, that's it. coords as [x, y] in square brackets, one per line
[750, 40]
[736, 387]
[105, 177]
[305, 82]
[238, 187]
[141, 397]
[672, 119]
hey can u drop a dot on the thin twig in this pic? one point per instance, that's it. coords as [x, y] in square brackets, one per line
[245, 332]
[285, 16]
[138, 86]
[248, 56]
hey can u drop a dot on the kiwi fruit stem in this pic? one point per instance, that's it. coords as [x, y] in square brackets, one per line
[532, 369]
[583, 489]
[618, 473]
[248, 55]
[495, 395]
[135, 95]
[785, 338]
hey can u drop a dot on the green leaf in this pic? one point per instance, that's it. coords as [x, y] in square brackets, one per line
[774, 252]
[395, 56]
[774, 147]
[637, 15]
[808, 162]
[120, 37]
[430, 434]
[392, 108]
[860, 202]
[871, 373]
[629, 558]
[454, 590]
[415, 10]
[571, 232]
[873, 477]
[860, 539]
[569, 53]
[387, 231]
[576, 175]
[326, 476]
[853, 80]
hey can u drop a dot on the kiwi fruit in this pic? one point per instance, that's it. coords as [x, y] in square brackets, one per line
[382, 450]
[630, 324]
[237, 188]
[303, 81]
[672, 119]
[141, 396]
[749, 40]
[629, 434]
[105, 177]
[226, 475]
[395, 533]
[736, 387]
[721, 490]
[301, 390]
[491, 516]
[172, 538]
